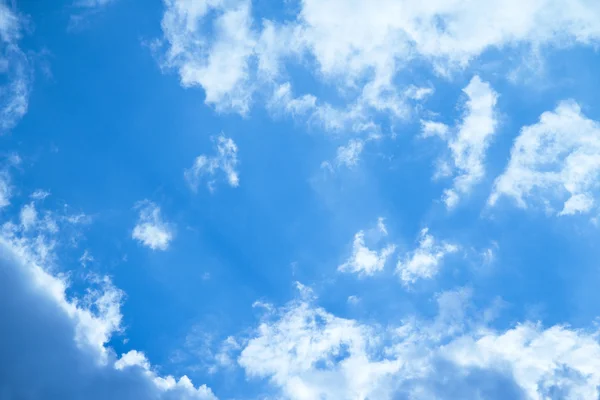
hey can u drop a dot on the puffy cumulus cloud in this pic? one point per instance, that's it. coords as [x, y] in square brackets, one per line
[311, 354]
[151, 230]
[15, 69]
[55, 346]
[360, 49]
[546, 363]
[555, 161]
[219, 65]
[225, 160]
[424, 262]
[365, 261]
[306, 352]
[468, 145]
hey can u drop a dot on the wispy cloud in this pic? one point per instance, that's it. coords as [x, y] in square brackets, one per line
[15, 67]
[555, 160]
[225, 161]
[424, 262]
[469, 144]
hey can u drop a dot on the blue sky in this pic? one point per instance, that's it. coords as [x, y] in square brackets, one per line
[316, 199]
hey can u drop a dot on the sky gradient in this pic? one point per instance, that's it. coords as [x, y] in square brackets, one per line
[303, 200]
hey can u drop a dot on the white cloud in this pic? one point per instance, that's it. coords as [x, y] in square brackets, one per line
[306, 352]
[359, 49]
[432, 128]
[349, 154]
[86, 258]
[5, 189]
[418, 93]
[283, 99]
[57, 344]
[15, 69]
[151, 230]
[365, 261]
[225, 160]
[28, 216]
[424, 262]
[556, 160]
[39, 194]
[546, 363]
[473, 137]
[92, 3]
[219, 65]
[299, 351]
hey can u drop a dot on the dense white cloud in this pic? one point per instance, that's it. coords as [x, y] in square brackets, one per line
[150, 229]
[365, 261]
[225, 160]
[360, 49]
[307, 353]
[54, 346]
[220, 64]
[15, 69]
[469, 144]
[300, 353]
[424, 262]
[555, 161]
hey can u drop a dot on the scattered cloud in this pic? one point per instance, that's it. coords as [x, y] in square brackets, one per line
[28, 216]
[361, 51]
[84, 10]
[418, 93]
[349, 154]
[365, 261]
[92, 3]
[219, 65]
[151, 230]
[58, 345]
[86, 258]
[39, 194]
[555, 161]
[432, 128]
[424, 262]
[469, 145]
[15, 69]
[225, 160]
[306, 352]
[5, 189]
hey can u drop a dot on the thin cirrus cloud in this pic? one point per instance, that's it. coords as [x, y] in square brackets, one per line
[151, 230]
[16, 69]
[224, 161]
[554, 161]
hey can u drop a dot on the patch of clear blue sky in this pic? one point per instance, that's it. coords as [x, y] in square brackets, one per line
[108, 128]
